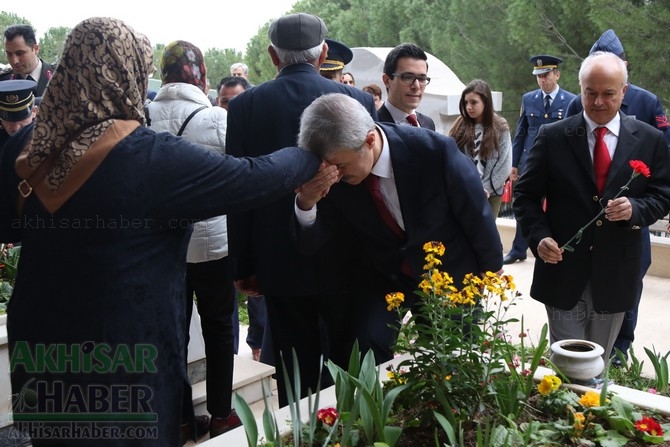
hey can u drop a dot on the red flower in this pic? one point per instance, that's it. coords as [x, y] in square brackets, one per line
[327, 415]
[640, 168]
[649, 425]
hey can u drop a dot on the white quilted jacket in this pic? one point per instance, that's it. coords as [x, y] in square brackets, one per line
[173, 103]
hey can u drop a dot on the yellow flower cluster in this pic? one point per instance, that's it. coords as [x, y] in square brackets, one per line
[590, 399]
[579, 422]
[394, 300]
[548, 385]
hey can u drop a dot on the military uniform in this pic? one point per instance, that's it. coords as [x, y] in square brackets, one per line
[17, 99]
[338, 56]
[45, 75]
[534, 114]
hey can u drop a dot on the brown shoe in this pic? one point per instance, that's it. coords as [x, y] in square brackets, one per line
[219, 426]
[201, 427]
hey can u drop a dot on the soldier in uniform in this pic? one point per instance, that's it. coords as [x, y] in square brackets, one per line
[338, 56]
[17, 107]
[22, 51]
[544, 105]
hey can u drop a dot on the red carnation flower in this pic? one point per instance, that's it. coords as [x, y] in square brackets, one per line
[640, 167]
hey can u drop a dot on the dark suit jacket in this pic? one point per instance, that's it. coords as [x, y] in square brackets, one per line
[531, 117]
[262, 120]
[441, 199]
[637, 103]
[424, 120]
[45, 75]
[560, 167]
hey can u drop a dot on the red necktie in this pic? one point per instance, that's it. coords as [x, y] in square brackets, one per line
[601, 159]
[372, 183]
[411, 119]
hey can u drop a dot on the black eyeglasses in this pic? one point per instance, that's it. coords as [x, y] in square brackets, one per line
[409, 78]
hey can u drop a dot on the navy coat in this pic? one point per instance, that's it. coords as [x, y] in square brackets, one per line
[262, 120]
[441, 199]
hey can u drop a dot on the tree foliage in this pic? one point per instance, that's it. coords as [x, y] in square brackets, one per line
[489, 39]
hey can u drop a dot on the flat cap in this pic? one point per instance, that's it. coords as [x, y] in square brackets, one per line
[608, 41]
[338, 56]
[544, 63]
[16, 99]
[297, 32]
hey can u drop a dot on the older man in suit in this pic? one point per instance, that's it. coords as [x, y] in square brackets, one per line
[644, 106]
[405, 77]
[262, 120]
[580, 164]
[430, 192]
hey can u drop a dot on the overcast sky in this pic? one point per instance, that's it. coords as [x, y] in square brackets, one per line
[222, 24]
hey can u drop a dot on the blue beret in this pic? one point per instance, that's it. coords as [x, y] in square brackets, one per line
[608, 41]
[338, 56]
[16, 99]
[544, 63]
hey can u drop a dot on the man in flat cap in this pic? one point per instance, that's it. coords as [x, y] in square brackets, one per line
[300, 291]
[22, 51]
[544, 105]
[646, 107]
[338, 56]
[17, 107]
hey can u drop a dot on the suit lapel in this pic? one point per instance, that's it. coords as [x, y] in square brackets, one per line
[626, 146]
[576, 134]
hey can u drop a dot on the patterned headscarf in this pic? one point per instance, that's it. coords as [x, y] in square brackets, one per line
[183, 62]
[102, 77]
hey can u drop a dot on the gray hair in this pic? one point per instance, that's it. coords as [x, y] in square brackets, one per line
[289, 57]
[332, 123]
[592, 58]
[241, 65]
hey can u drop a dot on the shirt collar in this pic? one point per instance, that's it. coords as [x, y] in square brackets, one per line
[397, 114]
[613, 126]
[383, 167]
[35, 74]
[553, 93]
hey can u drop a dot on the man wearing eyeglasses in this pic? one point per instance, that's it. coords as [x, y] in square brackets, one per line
[405, 77]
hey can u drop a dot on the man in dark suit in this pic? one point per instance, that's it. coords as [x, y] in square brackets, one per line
[297, 288]
[430, 190]
[405, 77]
[22, 49]
[579, 164]
[544, 105]
[642, 105]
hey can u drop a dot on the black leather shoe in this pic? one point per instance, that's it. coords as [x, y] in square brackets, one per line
[511, 259]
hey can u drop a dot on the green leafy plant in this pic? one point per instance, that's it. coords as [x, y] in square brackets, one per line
[462, 360]
[594, 418]
[660, 364]
[9, 262]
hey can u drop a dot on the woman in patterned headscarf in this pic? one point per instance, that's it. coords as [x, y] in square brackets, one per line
[96, 322]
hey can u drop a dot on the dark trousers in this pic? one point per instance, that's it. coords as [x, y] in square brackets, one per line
[520, 243]
[215, 295]
[318, 329]
[627, 331]
[257, 322]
